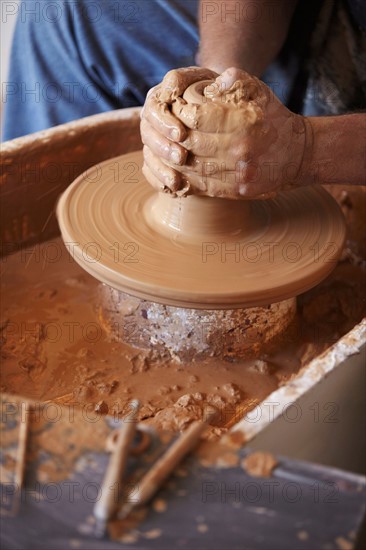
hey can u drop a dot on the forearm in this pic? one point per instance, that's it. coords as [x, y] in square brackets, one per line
[247, 34]
[335, 150]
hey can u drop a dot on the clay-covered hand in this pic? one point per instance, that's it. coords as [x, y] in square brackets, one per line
[242, 142]
[161, 131]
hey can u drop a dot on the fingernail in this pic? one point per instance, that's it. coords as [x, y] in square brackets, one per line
[175, 134]
[175, 156]
[174, 183]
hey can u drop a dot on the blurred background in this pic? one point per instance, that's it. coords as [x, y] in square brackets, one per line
[9, 9]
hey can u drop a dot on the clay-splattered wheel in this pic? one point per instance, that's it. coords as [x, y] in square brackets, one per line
[171, 250]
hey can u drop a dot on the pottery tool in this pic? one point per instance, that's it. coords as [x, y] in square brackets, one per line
[164, 466]
[106, 506]
[23, 437]
[142, 444]
[21, 456]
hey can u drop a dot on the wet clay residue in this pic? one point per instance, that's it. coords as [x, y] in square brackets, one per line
[55, 443]
[54, 348]
[218, 114]
[259, 464]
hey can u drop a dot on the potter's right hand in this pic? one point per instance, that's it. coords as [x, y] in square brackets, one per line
[161, 131]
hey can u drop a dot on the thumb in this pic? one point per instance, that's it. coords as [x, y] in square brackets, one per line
[232, 75]
[175, 82]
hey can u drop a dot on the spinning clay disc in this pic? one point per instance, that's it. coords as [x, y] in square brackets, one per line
[196, 251]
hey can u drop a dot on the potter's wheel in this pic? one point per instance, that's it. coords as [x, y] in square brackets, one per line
[158, 248]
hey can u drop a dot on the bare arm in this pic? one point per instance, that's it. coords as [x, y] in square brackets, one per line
[247, 34]
[337, 150]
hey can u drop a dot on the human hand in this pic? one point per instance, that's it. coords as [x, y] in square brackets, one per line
[161, 131]
[240, 143]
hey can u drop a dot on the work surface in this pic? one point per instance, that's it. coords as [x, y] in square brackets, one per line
[210, 502]
[223, 520]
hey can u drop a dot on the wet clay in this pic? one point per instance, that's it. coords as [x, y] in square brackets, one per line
[54, 347]
[216, 115]
[234, 137]
[259, 464]
[198, 252]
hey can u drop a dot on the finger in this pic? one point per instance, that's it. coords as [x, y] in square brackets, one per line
[159, 116]
[203, 167]
[203, 144]
[226, 79]
[159, 186]
[175, 82]
[155, 182]
[253, 191]
[249, 181]
[168, 176]
[239, 84]
[161, 146]
[153, 91]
